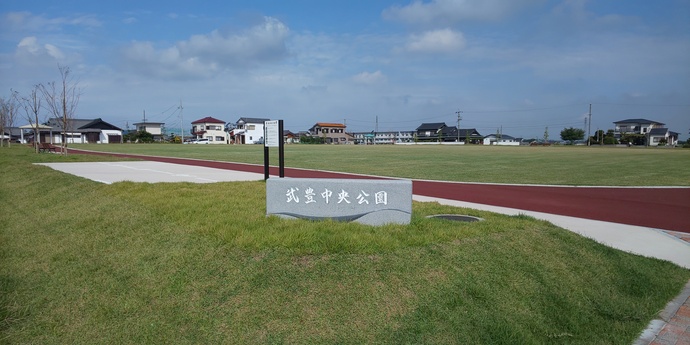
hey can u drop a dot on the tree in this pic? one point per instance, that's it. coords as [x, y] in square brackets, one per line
[62, 100]
[8, 114]
[571, 134]
[546, 135]
[32, 106]
[141, 137]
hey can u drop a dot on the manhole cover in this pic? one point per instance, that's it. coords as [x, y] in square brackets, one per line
[456, 217]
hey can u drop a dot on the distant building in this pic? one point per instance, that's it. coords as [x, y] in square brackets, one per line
[80, 131]
[210, 128]
[155, 128]
[382, 138]
[655, 132]
[332, 133]
[501, 139]
[248, 130]
[440, 132]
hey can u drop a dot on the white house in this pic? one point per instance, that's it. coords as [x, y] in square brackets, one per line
[155, 128]
[248, 130]
[501, 139]
[662, 137]
[210, 128]
[655, 132]
[635, 126]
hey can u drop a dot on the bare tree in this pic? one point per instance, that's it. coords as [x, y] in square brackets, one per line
[32, 106]
[3, 121]
[62, 100]
[8, 114]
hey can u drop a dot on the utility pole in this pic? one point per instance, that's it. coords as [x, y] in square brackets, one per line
[590, 123]
[181, 128]
[458, 126]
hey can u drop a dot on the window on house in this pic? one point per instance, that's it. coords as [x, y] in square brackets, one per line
[220, 138]
[325, 130]
[209, 138]
[251, 128]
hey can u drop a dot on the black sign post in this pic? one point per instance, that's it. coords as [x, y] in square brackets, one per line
[273, 137]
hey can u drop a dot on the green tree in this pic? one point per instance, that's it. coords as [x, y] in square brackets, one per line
[610, 138]
[571, 134]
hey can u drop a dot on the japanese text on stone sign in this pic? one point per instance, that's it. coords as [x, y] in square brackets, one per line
[309, 196]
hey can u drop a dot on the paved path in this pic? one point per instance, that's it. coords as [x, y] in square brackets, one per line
[666, 208]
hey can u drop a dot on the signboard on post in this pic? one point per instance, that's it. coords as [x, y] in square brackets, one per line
[273, 137]
[272, 134]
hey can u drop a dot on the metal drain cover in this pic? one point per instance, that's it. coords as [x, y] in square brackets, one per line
[456, 217]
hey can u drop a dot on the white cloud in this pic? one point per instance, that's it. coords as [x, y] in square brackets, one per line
[452, 11]
[436, 41]
[370, 78]
[203, 55]
[30, 51]
[54, 52]
[28, 22]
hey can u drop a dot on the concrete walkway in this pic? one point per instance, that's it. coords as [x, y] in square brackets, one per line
[672, 327]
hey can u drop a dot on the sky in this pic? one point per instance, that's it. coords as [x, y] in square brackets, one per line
[522, 67]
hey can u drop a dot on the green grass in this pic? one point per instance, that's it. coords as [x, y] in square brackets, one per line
[557, 165]
[84, 263]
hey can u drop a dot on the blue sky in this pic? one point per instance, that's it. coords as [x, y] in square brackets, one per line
[519, 65]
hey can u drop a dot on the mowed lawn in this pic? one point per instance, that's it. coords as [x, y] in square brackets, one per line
[558, 165]
[87, 263]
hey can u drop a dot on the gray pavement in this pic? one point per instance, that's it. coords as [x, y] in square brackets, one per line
[634, 239]
[151, 172]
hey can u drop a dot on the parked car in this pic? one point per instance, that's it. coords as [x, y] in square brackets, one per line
[201, 141]
[260, 141]
[190, 141]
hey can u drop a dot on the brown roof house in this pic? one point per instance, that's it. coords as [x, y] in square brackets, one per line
[332, 133]
[210, 128]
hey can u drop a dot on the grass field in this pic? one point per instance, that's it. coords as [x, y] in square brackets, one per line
[558, 165]
[84, 263]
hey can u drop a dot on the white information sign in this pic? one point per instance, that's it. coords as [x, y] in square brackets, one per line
[272, 136]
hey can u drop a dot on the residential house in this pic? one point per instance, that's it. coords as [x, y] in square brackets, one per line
[654, 132]
[289, 137]
[635, 126]
[210, 128]
[430, 131]
[501, 139]
[332, 133]
[463, 135]
[80, 131]
[440, 132]
[155, 128]
[662, 137]
[248, 130]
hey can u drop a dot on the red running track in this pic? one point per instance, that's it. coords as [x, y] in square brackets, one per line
[659, 208]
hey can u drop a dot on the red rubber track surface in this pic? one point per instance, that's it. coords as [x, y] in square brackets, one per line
[659, 208]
